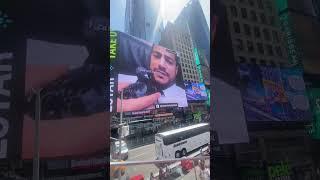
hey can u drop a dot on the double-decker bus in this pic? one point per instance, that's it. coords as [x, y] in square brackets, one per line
[179, 142]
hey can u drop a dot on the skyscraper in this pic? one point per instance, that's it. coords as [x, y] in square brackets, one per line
[255, 32]
[178, 38]
[143, 20]
[192, 14]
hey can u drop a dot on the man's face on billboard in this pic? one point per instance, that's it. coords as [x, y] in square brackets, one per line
[164, 65]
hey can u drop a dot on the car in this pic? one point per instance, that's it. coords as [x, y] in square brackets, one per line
[115, 150]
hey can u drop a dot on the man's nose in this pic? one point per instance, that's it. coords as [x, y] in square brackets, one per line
[162, 62]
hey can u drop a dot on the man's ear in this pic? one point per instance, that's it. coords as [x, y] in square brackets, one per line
[177, 69]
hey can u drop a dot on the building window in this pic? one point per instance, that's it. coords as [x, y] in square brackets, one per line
[270, 50]
[260, 4]
[250, 46]
[234, 11]
[247, 29]
[242, 59]
[251, 2]
[257, 33]
[263, 18]
[279, 51]
[260, 48]
[236, 27]
[253, 60]
[269, 6]
[244, 13]
[239, 44]
[266, 34]
[253, 16]
[275, 36]
[272, 21]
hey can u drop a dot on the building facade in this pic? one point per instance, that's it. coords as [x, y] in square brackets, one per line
[255, 32]
[178, 38]
[192, 14]
[260, 36]
[143, 20]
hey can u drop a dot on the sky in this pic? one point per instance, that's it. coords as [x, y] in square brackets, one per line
[170, 12]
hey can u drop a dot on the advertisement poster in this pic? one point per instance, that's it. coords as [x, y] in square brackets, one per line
[195, 91]
[146, 74]
[253, 93]
[66, 65]
[295, 90]
[275, 95]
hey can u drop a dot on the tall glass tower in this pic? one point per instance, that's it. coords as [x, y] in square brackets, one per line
[143, 19]
[192, 14]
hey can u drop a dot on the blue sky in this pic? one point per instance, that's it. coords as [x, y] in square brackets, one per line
[172, 8]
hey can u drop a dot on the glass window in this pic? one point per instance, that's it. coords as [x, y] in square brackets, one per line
[250, 46]
[247, 29]
[253, 16]
[244, 13]
[266, 34]
[269, 6]
[257, 32]
[279, 51]
[236, 27]
[260, 4]
[270, 50]
[263, 18]
[251, 2]
[272, 20]
[239, 44]
[275, 36]
[253, 60]
[242, 59]
[234, 11]
[260, 48]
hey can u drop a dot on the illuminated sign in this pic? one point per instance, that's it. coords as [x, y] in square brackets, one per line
[294, 52]
[279, 171]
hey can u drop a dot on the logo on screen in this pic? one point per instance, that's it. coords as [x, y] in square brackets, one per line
[4, 20]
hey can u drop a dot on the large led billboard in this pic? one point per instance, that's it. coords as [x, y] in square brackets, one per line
[195, 91]
[144, 74]
[65, 62]
[273, 93]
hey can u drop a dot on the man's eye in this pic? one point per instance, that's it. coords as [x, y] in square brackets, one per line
[156, 55]
[169, 61]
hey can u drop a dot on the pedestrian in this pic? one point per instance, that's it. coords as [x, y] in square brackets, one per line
[161, 174]
[152, 177]
[204, 171]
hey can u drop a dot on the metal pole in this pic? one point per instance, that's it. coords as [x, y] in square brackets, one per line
[36, 156]
[120, 131]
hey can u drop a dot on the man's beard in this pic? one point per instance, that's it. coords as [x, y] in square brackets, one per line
[162, 86]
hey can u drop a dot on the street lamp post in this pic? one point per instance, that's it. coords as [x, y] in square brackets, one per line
[36, 155]
[120, 130]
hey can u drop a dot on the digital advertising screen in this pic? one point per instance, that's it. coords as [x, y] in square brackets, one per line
[195, 91]
[253, 93]
[144, 74]
[65, 64]
[273, 94]
[298, 108]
